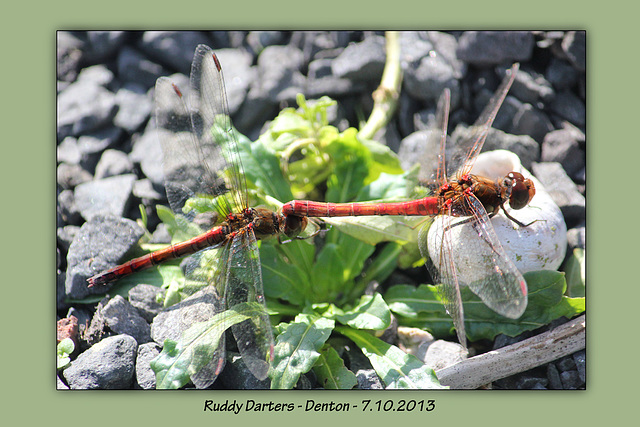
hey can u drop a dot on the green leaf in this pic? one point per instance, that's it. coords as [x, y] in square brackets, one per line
[351, 167]
[63, 351]
[420, 307]
[371, 313]
[354, 254]
[331, 372]
[388, 187]
[384, 159]
[376, 229]
[262, 167]
[286, 270]
[397, 369]
[297, 349]
[179, 362]
[327, 273]
[575, 270]
[178, 226]
[383, 265]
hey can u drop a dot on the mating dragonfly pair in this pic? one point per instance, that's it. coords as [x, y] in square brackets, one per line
[201, 157]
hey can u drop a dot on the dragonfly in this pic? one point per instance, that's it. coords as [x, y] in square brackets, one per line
[202, 162]
[462, 199]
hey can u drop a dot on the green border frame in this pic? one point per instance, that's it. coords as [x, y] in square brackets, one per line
[28, 159]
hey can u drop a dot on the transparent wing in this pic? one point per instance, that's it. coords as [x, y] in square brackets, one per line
[441, 266]
[467, 252]
[499, 284]
[433, 156]
[244, 285]
[198, 143]
[465, 153]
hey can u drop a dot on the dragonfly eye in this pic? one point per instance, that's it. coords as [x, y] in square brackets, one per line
[522, 190]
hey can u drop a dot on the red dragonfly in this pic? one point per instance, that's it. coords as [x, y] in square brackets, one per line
[469, 199]
[201, 160]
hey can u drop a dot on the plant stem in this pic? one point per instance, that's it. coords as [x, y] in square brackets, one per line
[386, 96]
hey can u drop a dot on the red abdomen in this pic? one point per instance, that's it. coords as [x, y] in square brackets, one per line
[212, 237]
[421, 207]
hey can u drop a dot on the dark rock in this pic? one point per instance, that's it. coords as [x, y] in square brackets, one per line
[427, 80]
[555, 383]
[279, 70]
[143, 189]
[566, 364]
[147, 299]
[107, 365]
[532, 122]
[368, 380]
[564, 146]
[122, 318]
[569, 107]
[361, 61]
[65, 236]
[441, 354]
[69, 176]
[531, 87]
[570, 380]
[561, 74]
[524, 146]
[529, 382]
[100, 244]
[134, 107]
[495, 47]
[171, 323]
[105, 196]
[145, 376]
[84, 107]
[134, 67]
[113, 163]
[574, 45]
[258, 40]
[67, 209]
[562, 190]
[576, 237]
[102, 45]
[236, 375]
[68, 151]
[147, 152]
[580, 359]
[172, 48]
[68, 55]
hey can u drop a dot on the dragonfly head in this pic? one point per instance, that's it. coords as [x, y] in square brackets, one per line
[522, 189]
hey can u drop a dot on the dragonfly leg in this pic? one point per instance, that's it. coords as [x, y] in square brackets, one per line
[515, 220]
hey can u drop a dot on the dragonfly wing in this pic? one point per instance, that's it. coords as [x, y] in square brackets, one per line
[433, 154]
[195, 132]
[466, 151]
[494, 277]
[442, 269]
[244, 285]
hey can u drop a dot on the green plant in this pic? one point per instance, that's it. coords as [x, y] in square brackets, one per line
[64, 350]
